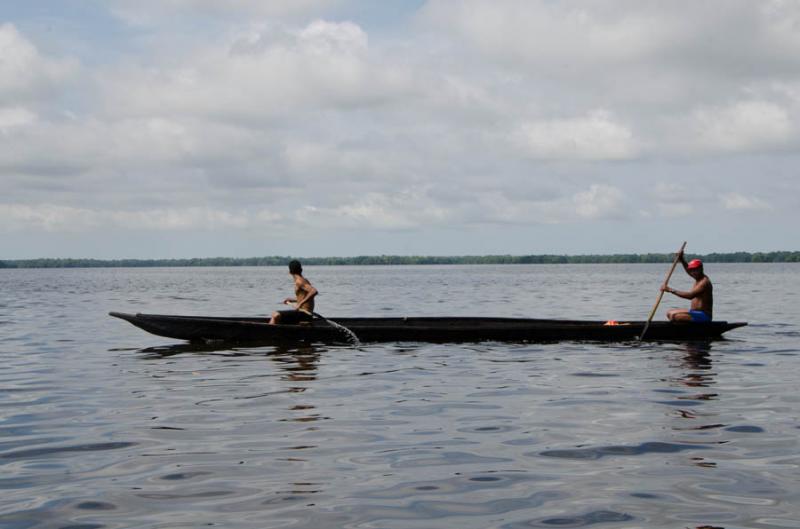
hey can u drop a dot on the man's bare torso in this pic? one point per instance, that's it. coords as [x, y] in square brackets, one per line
[704, 300]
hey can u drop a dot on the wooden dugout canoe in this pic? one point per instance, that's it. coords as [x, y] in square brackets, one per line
[425, 329]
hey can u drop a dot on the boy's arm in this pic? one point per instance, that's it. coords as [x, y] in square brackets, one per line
[310, 293]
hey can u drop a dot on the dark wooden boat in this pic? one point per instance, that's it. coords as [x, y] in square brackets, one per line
[439, 330]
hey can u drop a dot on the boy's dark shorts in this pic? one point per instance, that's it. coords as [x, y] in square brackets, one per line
[294, 317]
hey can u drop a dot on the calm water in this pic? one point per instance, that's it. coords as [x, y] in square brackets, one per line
[103, 425]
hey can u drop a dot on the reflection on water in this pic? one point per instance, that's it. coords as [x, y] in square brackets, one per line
[102, 425]
[299, 362]
[697, 375]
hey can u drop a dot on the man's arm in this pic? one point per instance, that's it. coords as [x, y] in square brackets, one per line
[691, 294]
[682, 257]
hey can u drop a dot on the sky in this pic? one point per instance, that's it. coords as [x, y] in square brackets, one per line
[199, 128]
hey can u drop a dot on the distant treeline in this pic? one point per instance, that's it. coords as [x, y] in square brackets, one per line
[735, 257]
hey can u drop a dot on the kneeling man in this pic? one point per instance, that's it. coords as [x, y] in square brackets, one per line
[701, 294]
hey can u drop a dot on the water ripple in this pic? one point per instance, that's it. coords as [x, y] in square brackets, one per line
[58, 450]
[578, 520]
[436, 509]
[634, 450]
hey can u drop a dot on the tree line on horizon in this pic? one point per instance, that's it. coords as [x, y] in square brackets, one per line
[732, 257]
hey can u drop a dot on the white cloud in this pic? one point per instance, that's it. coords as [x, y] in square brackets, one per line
[144, 148]
[236, 115]
[599, 202]
[736, 201]
[571, 38]
[596, 136]
[645, 63]
[24, 73]
[672, 200]
[155, 12]
[48, 217]
[670, 191]
[262, 74]
[408, 209]
[743, 126]
[13, 117]
[57, 218]
[309, 160]
[553, 34]
[675, 209]
[325, 37]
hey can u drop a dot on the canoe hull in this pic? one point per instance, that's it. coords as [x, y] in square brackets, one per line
[435, 330]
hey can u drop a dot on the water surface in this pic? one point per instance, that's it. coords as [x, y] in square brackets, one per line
[103, 425]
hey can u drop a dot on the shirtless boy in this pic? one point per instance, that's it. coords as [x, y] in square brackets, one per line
[701, 294]
[303, 301]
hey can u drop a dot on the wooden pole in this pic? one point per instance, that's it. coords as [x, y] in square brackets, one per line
[661, 292]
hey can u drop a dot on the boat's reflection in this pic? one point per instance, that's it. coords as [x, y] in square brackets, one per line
[298, 363]
[281, 391]
[225, 348]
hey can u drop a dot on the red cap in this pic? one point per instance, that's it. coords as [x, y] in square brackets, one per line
[694, 263]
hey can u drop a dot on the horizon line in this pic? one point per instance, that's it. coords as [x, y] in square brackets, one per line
[397, 259]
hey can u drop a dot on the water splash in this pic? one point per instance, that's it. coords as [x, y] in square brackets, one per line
[351, 336]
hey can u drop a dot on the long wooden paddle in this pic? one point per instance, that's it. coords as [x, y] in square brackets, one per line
[661, 292]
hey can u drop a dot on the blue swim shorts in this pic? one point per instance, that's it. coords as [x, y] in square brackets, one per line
[698, 316]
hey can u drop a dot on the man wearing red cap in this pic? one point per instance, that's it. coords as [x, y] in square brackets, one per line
[701, 294]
